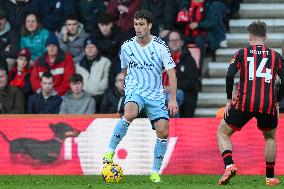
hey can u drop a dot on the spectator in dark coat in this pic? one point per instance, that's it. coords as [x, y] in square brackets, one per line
[45, 100]
[53, 13]
[164, 15]
[186, 72]
[16, 13]
[9, 41]
[211, 24]
[234, 6]
[109, 40]
[114, 97]
[20, 74]
[11, 99]
[108, 36]
[89, 11]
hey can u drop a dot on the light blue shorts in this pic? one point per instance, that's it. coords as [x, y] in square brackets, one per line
[155, 109]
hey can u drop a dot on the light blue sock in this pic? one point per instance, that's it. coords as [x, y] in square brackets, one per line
[159, 153]
[119, 132]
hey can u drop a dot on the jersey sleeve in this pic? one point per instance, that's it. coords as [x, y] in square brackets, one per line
[123, 58]
[232, 70]
[166, 58]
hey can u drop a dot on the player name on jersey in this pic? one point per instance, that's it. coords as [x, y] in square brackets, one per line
[258, 52]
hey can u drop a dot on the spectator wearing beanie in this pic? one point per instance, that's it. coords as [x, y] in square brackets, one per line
[55, 61]
[95, 70]
[20, 74]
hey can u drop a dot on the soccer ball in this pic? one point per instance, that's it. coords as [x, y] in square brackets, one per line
[112, 172]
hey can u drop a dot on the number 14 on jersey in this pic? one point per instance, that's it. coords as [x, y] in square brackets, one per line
[267, 74]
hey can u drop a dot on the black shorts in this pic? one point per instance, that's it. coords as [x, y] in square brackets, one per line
[237, 119]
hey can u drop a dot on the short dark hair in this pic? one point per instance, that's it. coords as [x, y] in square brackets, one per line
[72, 17]
[105, 18]
[76, 78]
[257, 28]
[178, 32]
[144, 14]
[46, 75]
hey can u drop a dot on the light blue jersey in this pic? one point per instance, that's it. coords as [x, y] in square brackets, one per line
[145, 66]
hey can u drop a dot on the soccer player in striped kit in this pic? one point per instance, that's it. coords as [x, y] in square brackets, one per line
[258, 66]
[143, 59]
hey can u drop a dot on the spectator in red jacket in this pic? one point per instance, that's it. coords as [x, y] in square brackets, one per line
[19, 76]
[60, 64]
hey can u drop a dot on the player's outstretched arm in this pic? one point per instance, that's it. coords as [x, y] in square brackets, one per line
[172, 105]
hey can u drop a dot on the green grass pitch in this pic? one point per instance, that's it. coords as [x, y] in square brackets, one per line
[131, 182]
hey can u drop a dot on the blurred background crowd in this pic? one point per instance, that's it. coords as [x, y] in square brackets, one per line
[62, 56]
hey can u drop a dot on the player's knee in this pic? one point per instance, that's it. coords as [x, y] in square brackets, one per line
[130, 111]
[224, 129]
[269, 135]
[129, 116]
[162, 131]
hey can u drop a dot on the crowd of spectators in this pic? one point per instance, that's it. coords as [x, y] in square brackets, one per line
[62, 56]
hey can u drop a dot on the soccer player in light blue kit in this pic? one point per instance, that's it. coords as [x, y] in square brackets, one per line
[143, 59]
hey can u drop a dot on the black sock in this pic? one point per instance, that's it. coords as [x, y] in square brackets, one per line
[227, 157]
[270, 169]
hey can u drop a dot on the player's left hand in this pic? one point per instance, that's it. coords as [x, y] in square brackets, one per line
[172, 107]
[228, 106]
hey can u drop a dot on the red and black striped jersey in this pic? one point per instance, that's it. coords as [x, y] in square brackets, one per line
[258, 67]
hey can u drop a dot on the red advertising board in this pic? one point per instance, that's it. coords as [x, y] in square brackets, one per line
[35, 146]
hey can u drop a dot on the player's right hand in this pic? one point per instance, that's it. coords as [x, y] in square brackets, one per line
[228, 106]
[172, 107]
